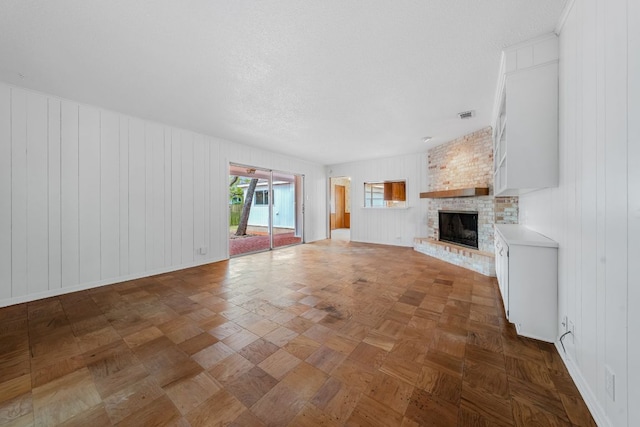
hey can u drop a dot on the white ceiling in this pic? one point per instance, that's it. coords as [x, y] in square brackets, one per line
[330, 81]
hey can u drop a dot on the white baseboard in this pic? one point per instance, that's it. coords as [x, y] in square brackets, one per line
[597, 411]
[96, 284]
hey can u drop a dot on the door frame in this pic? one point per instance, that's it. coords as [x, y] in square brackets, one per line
[331, 200]
[299, 204]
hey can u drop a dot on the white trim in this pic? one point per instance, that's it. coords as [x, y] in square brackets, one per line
[530, 42]
[563, 16]
[597, 412]
[497, 97]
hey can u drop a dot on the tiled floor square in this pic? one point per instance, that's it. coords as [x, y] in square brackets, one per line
[329, 333]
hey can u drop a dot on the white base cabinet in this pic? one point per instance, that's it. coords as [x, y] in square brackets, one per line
[527, 272]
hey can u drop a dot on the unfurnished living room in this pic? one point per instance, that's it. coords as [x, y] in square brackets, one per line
[297, 213]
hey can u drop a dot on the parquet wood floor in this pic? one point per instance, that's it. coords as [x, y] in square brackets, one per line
[330, 333]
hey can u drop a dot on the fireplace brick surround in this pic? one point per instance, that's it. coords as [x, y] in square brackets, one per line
[463, 163]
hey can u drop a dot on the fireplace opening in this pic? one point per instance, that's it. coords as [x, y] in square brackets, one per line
[459, 227]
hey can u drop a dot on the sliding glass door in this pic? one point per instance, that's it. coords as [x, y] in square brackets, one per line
[265, 209]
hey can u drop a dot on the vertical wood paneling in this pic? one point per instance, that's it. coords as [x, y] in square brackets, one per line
[601, 196]
[109, 194]
[54, 200]
[616, 210]
[37, 194]
[186, 141]
[137, 197]
[634, 211]
[633, 160]
[19, 192]
[123, 173]
[148, 195]
[589, 161]
[155, 196]
[89, 194]
[198, 195]
[5, 192]
[218, 217]
[567, 252]
[222, 183]
[207, 197]
[594, 194]
[69, 194]
[537, 217]
[176, 197]
[168, 221]
[574, 225]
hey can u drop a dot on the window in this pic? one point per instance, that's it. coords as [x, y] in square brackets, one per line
[386, 194]
[261, 197]
[373, 195]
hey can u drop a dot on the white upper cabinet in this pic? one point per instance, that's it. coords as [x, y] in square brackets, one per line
[525, 130]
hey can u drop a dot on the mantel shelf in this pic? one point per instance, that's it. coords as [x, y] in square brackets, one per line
[461, 192]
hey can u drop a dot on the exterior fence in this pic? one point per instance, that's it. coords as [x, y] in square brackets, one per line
[234, 214]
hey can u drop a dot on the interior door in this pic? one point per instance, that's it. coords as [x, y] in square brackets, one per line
[340, 203]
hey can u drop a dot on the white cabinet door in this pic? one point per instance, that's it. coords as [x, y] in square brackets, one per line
[502, 271]
[527, 271]
[526, 119]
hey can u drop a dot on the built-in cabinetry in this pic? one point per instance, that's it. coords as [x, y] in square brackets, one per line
[527, 272]
[525, 131]
[395, 191]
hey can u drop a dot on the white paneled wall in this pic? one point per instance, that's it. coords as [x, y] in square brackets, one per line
[588, 214]
[387, 226]
[90, 197]
[633, 170]
[6, 172]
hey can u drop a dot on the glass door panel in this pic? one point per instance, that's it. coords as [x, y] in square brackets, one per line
[287, 209]
[265, 209]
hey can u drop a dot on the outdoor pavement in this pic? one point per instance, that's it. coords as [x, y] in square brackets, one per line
[245, 245]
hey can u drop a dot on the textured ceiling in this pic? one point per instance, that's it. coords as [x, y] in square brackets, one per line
[330, 81]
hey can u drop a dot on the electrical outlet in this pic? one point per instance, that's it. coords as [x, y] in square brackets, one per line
[610, 383]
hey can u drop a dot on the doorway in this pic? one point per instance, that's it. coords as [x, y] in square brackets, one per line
[340, 208]
[265, 209]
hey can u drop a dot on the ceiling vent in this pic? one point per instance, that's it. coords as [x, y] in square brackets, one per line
[467, 114]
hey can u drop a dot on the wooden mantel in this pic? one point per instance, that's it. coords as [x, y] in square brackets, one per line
[461, 192]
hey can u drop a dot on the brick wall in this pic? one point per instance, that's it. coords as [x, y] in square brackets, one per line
[506, 210]
[463, 163]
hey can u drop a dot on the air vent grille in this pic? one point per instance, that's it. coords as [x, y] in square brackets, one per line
[467, 114]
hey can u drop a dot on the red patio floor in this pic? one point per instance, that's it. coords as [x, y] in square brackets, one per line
[245, 245]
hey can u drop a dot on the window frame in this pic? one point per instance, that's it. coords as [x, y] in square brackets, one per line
[374, 195]
[264, 194]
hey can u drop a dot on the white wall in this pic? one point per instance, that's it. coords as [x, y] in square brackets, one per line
[633, 170]
[387, 226]
[594, 212]
[90, 197]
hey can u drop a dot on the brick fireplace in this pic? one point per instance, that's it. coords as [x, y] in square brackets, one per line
[466, 162]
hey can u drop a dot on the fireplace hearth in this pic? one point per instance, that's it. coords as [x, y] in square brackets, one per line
[459, 227]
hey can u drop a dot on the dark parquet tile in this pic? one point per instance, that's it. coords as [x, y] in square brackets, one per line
[324, 334]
